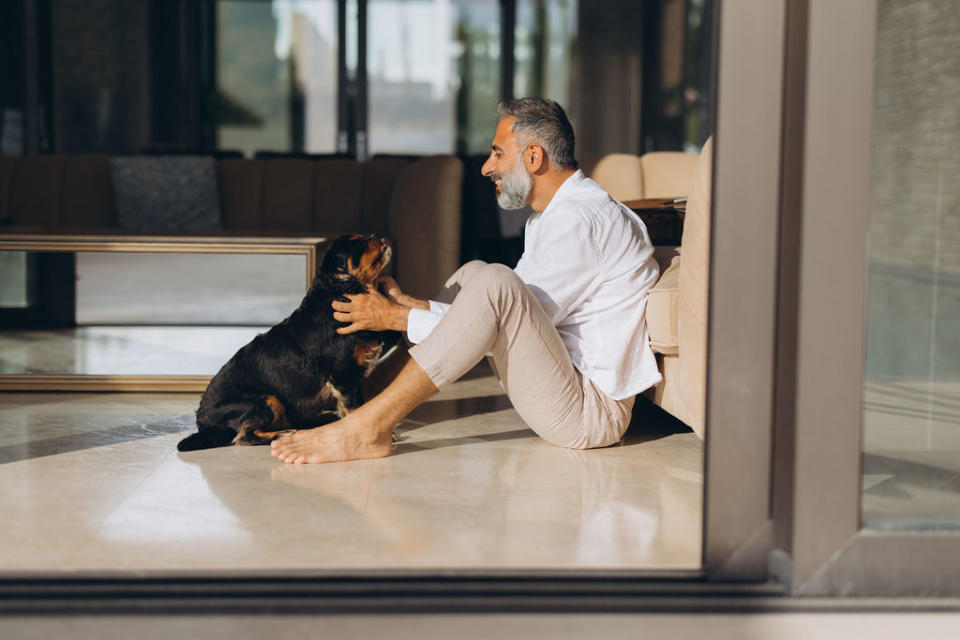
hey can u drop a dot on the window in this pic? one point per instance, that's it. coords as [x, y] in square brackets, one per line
[433, 69]
[911, 475]
[545, 37]
[276, 70]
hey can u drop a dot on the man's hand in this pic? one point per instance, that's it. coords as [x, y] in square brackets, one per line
[391, 290]
[370, 311]
[389, 287]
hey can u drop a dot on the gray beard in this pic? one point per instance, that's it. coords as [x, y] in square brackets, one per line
[514, 188]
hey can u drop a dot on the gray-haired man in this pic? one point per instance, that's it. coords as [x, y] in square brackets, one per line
[566, 329]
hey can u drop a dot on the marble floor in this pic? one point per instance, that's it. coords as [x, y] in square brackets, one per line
[911, 462]
[93, 482]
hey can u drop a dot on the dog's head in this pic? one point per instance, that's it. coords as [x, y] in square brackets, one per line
[362, 257]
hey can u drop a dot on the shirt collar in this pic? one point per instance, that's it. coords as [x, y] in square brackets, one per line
[571, 183]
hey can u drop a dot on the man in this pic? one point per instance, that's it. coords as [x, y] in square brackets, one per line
[566, 329]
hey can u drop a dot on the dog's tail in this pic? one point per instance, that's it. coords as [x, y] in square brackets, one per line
[208, 438]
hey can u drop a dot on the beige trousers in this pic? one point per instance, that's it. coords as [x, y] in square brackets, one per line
[493, 312]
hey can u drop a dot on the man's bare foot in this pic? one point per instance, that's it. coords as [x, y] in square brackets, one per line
[367, 432]
[335, 442]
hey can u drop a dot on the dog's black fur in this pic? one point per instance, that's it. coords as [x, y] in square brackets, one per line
[301, 373]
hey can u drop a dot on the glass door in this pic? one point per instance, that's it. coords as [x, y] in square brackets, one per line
[911, 404]
[866, 494]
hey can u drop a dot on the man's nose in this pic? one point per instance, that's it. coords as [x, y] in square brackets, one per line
[487, 168]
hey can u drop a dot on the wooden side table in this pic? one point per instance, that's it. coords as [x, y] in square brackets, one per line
[663, 218]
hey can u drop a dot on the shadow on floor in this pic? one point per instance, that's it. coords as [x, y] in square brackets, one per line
[440, 443]
[649, 422]
[92, 439]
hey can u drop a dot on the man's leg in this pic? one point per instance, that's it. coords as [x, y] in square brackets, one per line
[386, 370]
[367, 432]
[390, 367]
[496, 313]
[397, 386]
[493, 312]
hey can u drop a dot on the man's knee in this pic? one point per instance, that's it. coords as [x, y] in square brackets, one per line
[459, 278]
[496, 277]
[470, 268]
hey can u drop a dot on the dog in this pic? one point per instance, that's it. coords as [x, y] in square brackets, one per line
[301, 373]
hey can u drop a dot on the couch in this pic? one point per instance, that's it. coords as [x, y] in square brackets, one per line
[658, 174]
[415, 202]
[677, 307]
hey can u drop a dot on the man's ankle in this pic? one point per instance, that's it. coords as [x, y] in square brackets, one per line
[377, 432]
[372, 437]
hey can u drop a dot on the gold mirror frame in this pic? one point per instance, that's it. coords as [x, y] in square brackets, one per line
[225, 243]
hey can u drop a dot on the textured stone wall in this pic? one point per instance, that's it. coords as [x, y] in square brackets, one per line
[914, 233]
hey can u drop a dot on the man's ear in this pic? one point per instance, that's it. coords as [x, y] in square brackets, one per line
[533, 158]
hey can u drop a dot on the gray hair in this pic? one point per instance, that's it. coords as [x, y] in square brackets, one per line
[544, 122]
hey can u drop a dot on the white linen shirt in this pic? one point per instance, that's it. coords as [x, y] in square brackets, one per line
[589, 261]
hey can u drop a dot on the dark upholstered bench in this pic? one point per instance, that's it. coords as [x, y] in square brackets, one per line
[415, 202]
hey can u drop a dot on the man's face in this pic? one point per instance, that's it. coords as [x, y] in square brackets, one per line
[505, 167]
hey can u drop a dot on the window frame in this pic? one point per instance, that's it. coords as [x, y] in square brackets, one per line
[735, 542]
[821, 436]
[793, 82]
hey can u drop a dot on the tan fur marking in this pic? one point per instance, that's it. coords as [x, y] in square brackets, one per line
[240, 438]
[279, 411]
[271, 434]
[330, 392]
[369, 268]
[366, 355]
[279, 420]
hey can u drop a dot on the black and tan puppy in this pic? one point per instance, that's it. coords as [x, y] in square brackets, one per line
[301, 373]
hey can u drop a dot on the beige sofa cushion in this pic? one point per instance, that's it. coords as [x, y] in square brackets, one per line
[694, 279]
[667, 174]
[668, 395]
[424, 223]
[337, 193]
[35, 191]
[380, 177]
[86, 197]
[620, 174]
[287, 194]
[662, 304]
[241, 192]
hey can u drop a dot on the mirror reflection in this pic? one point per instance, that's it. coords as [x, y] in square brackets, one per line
[137, 314]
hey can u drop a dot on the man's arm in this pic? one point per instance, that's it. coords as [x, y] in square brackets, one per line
[392, 291]
[376, 311]
[564, 267]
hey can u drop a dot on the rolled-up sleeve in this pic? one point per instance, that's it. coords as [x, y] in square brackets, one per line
[421, 322]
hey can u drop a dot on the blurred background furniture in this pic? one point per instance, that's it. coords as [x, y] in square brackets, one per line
[677, 306]
[277, 193]
[626, 176]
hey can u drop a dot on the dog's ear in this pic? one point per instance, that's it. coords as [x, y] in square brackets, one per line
[333, 263]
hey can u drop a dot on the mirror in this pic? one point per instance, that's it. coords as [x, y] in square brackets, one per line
[70, 319]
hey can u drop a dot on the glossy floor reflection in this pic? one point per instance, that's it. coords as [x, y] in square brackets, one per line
[93, 482]
[125, 351]
[911, 462]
